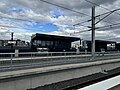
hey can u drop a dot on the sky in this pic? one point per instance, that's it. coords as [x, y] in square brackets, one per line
[58, 17]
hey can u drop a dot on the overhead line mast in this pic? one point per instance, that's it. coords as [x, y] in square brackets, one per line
[93, 33]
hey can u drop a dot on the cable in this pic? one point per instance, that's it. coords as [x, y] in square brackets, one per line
[80, 31]
[6, 26]
[97, 17]
[109, 25]
[108, 12]
[82, 25]
[57, 6]
[111, 35]
[15, 19]
[101, 6]
[65, 8]
[68, 9]
[54, 5]
[82, 22]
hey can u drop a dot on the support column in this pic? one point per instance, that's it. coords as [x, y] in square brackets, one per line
[93, 33]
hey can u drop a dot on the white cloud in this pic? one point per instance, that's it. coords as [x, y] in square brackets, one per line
[34, 11]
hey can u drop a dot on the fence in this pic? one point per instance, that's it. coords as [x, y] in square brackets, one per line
[11, 61]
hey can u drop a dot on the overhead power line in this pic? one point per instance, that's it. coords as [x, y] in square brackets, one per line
[69, 10]
[78, 32]
[6, 26]
[82, 22]
[97, 28]
[72, 11]
[81, 13]
[101, 6]
[108, 12]
[97, 17]
[53, 5]
[65, 8]
[112, 25]
[57, 6]
[15, 18]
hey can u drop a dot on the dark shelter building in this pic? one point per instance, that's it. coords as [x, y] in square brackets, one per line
[101, 45]
[52, 42]
[118, 46]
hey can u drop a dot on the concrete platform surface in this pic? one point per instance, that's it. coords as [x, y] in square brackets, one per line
[10, 74]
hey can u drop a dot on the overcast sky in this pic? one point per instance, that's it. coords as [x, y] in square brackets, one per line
[27, 17]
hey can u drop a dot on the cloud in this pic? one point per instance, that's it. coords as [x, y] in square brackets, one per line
[30, 12]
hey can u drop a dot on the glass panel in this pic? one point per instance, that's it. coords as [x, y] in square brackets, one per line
[43, 43]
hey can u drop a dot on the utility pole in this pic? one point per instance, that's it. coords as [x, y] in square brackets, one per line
[93, 27]
[93, 33]
[12, 36]
[12, 39]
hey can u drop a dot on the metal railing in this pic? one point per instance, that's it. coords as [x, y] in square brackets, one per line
[31, 55]
[13, 61]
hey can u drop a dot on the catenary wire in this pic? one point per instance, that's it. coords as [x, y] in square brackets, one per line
[65, 8]
[101, 6]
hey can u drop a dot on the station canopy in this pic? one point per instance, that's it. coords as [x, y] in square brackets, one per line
[38, 36]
